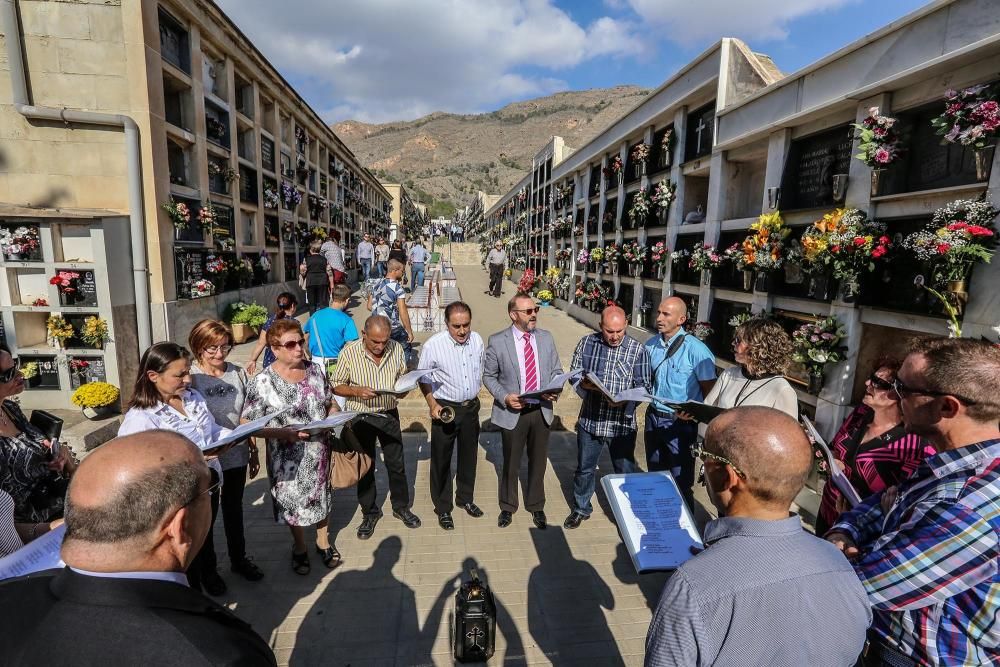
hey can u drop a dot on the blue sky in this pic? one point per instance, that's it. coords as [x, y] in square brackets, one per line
[383, 60]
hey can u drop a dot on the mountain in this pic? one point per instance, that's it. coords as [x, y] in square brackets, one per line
[445, 158]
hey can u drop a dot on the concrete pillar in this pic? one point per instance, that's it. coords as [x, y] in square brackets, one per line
[777, 153]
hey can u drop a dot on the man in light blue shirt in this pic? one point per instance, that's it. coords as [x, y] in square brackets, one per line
[418, 256]
[330, 329]
[683, 369]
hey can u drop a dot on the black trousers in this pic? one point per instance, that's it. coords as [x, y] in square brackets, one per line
[531, 433]
[384, 428]
[318, 297]
[234, 481]
[496, 279]
[464, 429]
[205, 562]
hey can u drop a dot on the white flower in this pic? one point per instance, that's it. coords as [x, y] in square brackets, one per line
[873, 111]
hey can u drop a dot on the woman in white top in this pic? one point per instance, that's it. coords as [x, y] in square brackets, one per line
[763, 351]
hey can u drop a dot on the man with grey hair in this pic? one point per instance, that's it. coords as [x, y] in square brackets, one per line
[137, 512]
[757, 594]
[495, 262]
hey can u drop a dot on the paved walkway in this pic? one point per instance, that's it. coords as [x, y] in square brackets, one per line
[564, 597]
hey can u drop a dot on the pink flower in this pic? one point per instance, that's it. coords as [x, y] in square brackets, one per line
[943, 248]
[883, 155]
[978, 230]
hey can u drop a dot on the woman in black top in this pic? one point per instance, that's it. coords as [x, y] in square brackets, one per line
[397, 253]
[319, 277]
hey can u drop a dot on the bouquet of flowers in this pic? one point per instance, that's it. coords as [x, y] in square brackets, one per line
[614, 167]
[29, 370]
[658, 253]
[228, 173]
[551, 276]
[763, 249]
[300, 135]
[271, 197]
[40, 302]
[664, 194]
[545, 295]
[879, 142]
[216, 265]
[520, 262]
[179, 213]
[633, 252]
[563, 254]
[68, 282]
[640, 153]
[734, 254]
[202, 288]
[701, 330]
[971, 117]
[564, 284]
[58, 329]
[290, 195]
[679, 255]
[959, 236]
[527, 282]
[704, 258]
[640, 205]
[612, 253]
[583, 256]
[816, 344]
[847, 241]
[666, 144]
[94, 331]
[597, 255]
[22, 243]
[206, 216]
[739, 318]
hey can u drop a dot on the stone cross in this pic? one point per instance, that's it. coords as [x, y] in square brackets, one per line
[701, 127]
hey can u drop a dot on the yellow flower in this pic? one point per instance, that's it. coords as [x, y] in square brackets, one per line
[95, 395]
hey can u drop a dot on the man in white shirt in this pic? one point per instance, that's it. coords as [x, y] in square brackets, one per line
[366, 254]
[495, 261]
[457, 357]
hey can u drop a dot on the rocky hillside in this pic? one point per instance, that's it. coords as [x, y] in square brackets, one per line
[448, 157]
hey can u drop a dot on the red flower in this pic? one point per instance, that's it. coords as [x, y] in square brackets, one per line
[978, 230]
[879, 251]
[859, 241]
[54, 280]
[943, 248]
[835, 248]
[957, 226]
[883, 240]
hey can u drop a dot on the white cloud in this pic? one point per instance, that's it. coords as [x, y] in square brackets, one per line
[382, 60]
[760, 20]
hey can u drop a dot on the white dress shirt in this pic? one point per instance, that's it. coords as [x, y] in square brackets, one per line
[173, 577]
[459, 366]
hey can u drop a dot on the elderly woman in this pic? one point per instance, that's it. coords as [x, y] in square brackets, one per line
[223, 385]
[299, 471]
[285, 308]
[763, 351]
[34, 477]
[872, 446]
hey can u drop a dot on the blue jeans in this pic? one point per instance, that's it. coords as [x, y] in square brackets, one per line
[668, 447]
[399, 335]
[366, 269]
[416, 275]
[381, 269]
[589, 447]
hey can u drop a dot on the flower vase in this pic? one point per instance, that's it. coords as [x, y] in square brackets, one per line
[614, 267]
[984, 158]
[848, 290]
[878, 180]
[957, 295]
[815, 383]
[747, 279]
[544, 304]
[99, 412]
[659, 271]
[34, 380]
[706, 277]
[763, 282]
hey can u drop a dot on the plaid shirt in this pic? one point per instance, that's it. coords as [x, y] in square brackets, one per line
[619, 368]
[930, 564]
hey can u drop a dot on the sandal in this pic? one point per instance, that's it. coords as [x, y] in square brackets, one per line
[331, 557]
[300, 563]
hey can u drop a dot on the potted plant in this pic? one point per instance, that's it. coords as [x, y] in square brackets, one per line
[545, 296]
[31, 374]
[98, 399]
[94, 332]
[58, 330]
[247, 320]
[816, 344]
[971, 117]
[878, 145]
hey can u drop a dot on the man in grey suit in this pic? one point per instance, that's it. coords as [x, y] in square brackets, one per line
[520, 360]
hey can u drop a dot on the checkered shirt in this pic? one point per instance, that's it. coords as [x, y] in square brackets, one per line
[619, 368]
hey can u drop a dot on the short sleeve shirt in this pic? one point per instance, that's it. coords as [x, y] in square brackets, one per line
[676, 378]
[418, 254]
[329, 329]
[385, 300]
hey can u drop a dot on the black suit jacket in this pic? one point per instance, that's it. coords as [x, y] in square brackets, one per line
[66, 618]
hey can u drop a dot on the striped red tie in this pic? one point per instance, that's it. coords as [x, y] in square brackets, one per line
[530, 371]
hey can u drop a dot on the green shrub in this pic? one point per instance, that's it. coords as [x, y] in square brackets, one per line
[253, 315]
[229, 314]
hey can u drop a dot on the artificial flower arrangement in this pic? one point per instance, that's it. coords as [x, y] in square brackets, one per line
[68, 282]
[202, 288]
[58, 329]
[664, 194]
[614, 167]
[959, 236]
[679, 255]
[551, 276]
[520, 262]
[763, 249]
[40, 303]
[612, 253]
[22, 243]
[640, 206]
[658, 253]
[271, 197]
[640, 153]
[701, 330]
[228, 173]
[739, 318]
[594, 292]
[633, 253]
[816, 344]
[95, 395]
[878, 139]
[971, 117]
[666, 145]
[704, 258]
[179, 213]
[94, 331]
[734, 255]
[583, 257]
[563, 254]
[29, 370]
[319, 233]
[290, 195]
[597, 255]
[545, 295]
[846, 241]
[527, 282]
[216, 265]
[206, 216]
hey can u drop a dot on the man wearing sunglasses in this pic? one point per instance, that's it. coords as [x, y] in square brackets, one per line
[927, 553]
[758, 592]
[519, 360]
[137, 512]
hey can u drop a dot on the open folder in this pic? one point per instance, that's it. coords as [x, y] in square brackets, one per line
[837, 475]
[321, 425]
[407, 382]
[555, 386]
[243, 431]
[637, 394]
[700, 411]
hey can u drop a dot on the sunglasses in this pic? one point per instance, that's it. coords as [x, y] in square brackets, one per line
[528, 311]
[285, 306]
[8, 375]
[214, 482]
[901, 389]
[700, 453]
[880, 383]
[292, 344]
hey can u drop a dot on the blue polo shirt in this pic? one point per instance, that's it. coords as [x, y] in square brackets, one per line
[335, 327]
[676, 379]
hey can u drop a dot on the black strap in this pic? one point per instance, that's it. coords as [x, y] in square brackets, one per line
[671, 351]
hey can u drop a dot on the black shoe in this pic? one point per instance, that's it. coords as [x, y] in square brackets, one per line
[367, 527]
[445, 521]
[247, 569]
[409, 519]
[472, 510]
[330, 555]
[213, 583]
[504, 519]
[539, 519]
[300, 562]
[574, 520]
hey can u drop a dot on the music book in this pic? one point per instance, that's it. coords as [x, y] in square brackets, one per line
[407, 382]
[36, 556]
[243, 431]
[636, 394]
[323, 425]
[554, 386]
[837, 475]
[700, 411]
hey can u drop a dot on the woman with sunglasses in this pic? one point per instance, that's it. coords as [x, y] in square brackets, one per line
[223, 385]
[286, 307]
[34, 477]
[872, 445]
[299, 471]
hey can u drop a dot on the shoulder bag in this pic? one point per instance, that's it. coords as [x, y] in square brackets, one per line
[348, 463]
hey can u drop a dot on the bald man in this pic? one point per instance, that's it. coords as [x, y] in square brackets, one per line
[137, 512]
[683, 369]
[620, 362]
[763, 585]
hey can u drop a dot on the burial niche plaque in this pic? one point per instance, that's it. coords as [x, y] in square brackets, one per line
[812, 163]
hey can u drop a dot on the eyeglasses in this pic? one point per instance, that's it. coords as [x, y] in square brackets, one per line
[900, 389]
[8, 375]
[213, 349]
[527, 311]
[879, 382]
[699, 453]
[292, 344]
[214, 482]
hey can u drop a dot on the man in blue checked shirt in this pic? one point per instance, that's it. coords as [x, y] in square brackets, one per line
[928, 551]
[683, 369]
[620, 362]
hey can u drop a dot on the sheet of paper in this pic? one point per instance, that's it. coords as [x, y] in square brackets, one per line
[244, 431]
[636, 394]
[331, 422]
[555, 385]
[837, 476]
[37, 555]
[407, 382]
[655, 524]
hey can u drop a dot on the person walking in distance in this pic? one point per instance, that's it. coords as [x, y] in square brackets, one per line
[388, 298]
[366, 256]
[456, 355]
[495, 262]
[335, 257]
[418, 257]
[620, 362]
[683, 369]
[381, 258]
[319, 278]
[519, 360]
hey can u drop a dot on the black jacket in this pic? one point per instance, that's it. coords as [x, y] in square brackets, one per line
[66, 618]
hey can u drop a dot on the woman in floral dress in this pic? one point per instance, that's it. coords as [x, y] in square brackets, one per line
[299, 471]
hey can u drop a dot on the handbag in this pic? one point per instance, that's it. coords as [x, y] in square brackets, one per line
[348, 464]
[46, 422]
